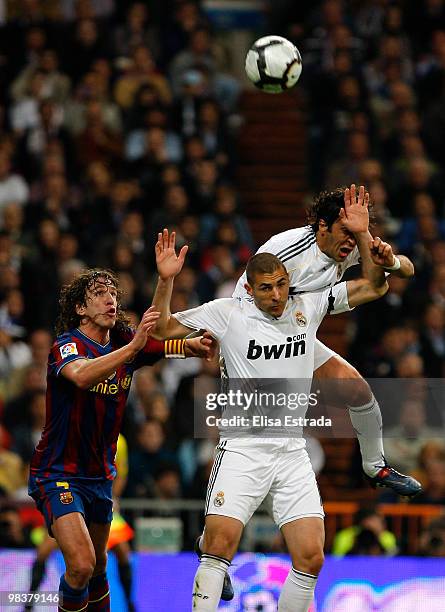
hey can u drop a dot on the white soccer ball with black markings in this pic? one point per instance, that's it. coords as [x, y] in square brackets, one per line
[273, 64]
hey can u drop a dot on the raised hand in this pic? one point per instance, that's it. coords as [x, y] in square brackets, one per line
[148, 321]
[169, 264]
[355, 215]
[381, 253]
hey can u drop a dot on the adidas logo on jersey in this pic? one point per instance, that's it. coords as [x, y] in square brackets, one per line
[294, 346]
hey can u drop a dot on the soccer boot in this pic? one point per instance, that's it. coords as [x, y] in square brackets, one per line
[392, 479]
[227, 593]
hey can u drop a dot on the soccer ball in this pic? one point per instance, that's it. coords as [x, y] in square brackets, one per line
[273, 64]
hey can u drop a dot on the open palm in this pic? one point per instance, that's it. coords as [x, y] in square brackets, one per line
[355, 214]
[168, 263]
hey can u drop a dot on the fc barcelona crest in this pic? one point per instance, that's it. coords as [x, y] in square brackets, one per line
[66, 497]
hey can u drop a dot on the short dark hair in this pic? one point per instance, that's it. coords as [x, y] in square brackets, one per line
[262, 263]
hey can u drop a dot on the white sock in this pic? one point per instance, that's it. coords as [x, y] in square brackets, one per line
[367, 422]
[208, 583]
[297, 592]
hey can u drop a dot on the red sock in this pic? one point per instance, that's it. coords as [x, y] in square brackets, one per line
[99, 594]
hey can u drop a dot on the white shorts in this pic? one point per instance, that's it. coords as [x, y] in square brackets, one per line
[321, 354]
[277, 471]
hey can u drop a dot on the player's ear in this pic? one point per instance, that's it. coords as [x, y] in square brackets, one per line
[80, 309]
[322, 226]
[248, 288]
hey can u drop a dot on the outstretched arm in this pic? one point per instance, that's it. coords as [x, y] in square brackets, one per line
[169, 265]
[87, 372]
[355, 218]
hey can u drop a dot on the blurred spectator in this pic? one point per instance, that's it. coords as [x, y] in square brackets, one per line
[369, 535]
[433, 484]
[54, 84]
[199, 54]
[12, 532]
[432, 539]
[432, 341]
[138, 29]
[12, 470]
[167, 482]
[26, 436]
[404, 441]
[381, 360]
[14, 352]
[146, 458]
[140, 69]
[95, 86]
[12, 186]
[84, 47]
[97, 143]
[40, 280]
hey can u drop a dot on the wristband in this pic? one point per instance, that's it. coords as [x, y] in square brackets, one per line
[395, 266]
[174, 349]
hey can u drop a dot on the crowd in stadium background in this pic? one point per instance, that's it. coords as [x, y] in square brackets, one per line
[118, 119]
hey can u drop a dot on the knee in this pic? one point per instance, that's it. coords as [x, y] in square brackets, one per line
[80, 570]
[357, 389]
[220, 544]
[310, 560]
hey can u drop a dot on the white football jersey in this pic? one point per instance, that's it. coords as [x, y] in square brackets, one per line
[255, 344]
[309, 268]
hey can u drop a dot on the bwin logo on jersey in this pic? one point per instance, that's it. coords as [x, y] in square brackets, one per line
[294, 346]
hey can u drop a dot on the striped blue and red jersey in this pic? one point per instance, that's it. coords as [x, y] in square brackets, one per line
[82, 426]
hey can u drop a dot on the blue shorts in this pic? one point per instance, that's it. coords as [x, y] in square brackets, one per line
[57, 496]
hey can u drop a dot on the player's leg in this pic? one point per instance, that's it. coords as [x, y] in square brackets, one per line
[239, 481]
[364, 409]
[72, 536]
[219, 545]
[98, 587]
[295, 505]
[122, 552]
[45, 548]
[366, 418]
[304, 538]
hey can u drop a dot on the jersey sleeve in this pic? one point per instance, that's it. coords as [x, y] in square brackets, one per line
[212, 316]
[153, 351]
[65, 349]
[331, 301]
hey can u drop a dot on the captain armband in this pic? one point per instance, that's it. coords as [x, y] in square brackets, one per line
[174, 349]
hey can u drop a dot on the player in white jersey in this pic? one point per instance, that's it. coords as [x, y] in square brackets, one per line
[316, 257]
[254, 339]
